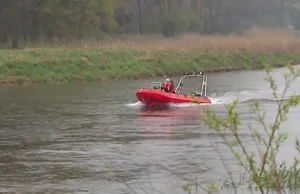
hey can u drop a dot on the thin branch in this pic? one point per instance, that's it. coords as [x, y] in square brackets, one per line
[233, 152]
[256, 144]
[178, 175]
[261, 121]
[226, 167]
[273, 130]
[276, 122]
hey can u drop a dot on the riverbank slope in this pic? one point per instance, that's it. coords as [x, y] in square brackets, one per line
[65, 65]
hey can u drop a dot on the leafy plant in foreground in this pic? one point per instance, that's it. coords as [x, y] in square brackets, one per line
[262, 172]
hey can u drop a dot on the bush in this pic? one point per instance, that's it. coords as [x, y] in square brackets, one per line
[262, 172]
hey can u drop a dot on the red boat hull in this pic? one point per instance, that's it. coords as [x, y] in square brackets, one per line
[157, 97]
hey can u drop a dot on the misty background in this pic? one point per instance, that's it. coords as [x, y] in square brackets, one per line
[31, 21]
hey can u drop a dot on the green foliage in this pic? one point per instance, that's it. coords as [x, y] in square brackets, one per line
[263, 173]
[76, 18]
[62, 19]
[64, 65]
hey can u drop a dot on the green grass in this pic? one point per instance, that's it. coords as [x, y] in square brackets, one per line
[65, 65]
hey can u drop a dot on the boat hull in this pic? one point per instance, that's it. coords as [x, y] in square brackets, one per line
[151, 97]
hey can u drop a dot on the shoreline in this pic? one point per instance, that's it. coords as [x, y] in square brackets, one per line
[15, 82]
[54, 66]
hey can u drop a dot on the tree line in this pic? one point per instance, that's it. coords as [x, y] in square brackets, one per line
[35, 20]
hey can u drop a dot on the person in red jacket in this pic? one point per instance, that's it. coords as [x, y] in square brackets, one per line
[168, 86]
[172, 87]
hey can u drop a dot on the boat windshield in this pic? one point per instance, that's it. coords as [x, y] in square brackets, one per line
[192, 83]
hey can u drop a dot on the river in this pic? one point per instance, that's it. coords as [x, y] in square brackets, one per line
[95, 137]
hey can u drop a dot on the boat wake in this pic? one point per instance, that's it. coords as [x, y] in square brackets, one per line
[225, 98]
[136, 104]
[243, 97]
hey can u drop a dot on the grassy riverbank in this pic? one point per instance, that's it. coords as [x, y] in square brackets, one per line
[62, 65]
[138, 57]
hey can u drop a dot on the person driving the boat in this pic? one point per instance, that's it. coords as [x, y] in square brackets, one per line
[165, 84]
[168, 86]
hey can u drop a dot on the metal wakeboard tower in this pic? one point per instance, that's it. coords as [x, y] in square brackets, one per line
[203, 87]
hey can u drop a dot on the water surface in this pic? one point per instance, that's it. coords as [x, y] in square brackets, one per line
[95, 137]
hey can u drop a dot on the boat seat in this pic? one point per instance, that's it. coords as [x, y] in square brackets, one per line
[196, 93]
[156, 85]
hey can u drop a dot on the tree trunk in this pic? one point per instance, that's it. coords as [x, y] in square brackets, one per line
[194, 5]
[140, 16]
[201, 14]
[34, 35]
[3, 36]
[15, 41]
[16, 22]
[24, 31]
[218, 16]
[166, 5]
[211, 16]
[282, 11]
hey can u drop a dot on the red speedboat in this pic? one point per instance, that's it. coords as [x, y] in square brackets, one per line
[156, 96]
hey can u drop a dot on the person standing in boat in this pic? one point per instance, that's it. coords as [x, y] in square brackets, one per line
[168, 86]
